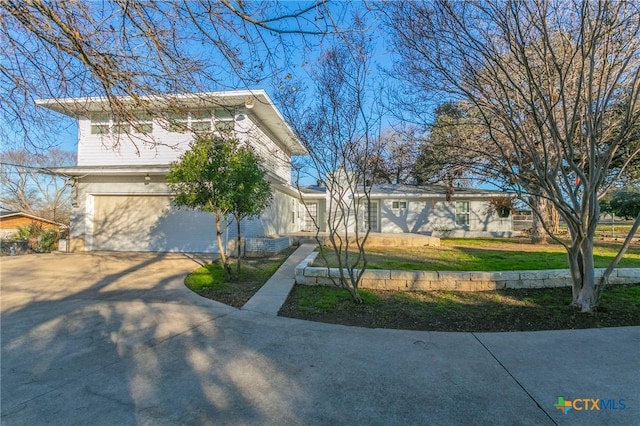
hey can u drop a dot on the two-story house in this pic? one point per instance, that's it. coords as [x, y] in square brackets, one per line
[121, 200]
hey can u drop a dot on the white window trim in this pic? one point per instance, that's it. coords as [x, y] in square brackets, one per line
[111, 124]
[466, 213]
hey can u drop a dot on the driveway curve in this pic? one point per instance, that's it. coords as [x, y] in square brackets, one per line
[116, 338]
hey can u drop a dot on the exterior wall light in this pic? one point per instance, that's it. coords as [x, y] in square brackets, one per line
[147, 179]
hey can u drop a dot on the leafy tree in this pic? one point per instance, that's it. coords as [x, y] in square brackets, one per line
[623, 202]
[251, 190]
[220, 176]
[442, 156]
[556, 88]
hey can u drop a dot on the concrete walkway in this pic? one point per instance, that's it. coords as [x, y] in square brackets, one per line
[117, 339]
[270, 298]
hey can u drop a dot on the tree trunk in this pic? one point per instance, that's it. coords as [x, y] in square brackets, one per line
[586, 299]
[538, 233]
[552, 218]
[221, 250]
[575, 267]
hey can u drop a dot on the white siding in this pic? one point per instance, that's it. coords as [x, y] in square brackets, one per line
[280, 218]
[277, 160]
[160, 148]
[163, 147]
[426, 215]
[411, 219]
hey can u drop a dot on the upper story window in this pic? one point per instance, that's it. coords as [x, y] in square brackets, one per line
[224, 120]
[462, 213]
[220, 120]
[399, 205]
[104, 124]
[100, 124]
[201, 121]
[143, 124]
[177, 122]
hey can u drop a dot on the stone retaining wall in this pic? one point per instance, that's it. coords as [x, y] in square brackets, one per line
[384, 279]
[375, 239]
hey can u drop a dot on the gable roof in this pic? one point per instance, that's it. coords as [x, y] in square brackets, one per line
[400, 190]
[386, 190]
[263, 108]
[5, 214]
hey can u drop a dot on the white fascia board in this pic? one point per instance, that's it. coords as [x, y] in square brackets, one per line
[109, 170]
[454, 195]
[75, 107]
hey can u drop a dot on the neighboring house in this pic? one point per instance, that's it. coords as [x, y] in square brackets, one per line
[10, 221]
[121, 200]
[417, 209]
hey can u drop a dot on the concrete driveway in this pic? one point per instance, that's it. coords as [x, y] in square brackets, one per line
[118, 339]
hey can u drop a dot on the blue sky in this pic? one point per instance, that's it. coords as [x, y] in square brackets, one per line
[65, 134]
[63, 130]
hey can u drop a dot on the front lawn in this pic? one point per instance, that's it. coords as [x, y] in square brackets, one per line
[209, 281]
[483, 255]
[490, 311]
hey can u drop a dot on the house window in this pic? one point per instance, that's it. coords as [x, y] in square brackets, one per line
[100, 124]
[143, 124]
[369, 215]
[399, 204]
[104, 124]
[177, 122]
[224, 121]
[462, 213]
[201, 121]
[120, 128]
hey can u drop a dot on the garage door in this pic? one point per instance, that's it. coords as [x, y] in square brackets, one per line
[150, 223]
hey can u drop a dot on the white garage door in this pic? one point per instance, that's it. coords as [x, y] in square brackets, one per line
[150, 223]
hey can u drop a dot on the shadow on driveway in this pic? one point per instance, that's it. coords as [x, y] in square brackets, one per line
[116, 338]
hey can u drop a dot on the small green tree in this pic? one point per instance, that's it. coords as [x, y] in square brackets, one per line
[251, 190]
[218, 175]
[201, 179]
[623, 202]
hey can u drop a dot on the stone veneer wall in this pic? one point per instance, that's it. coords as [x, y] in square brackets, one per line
[383, 279]
[258, 247]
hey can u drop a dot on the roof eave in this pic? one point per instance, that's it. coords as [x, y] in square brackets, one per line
[263, 105]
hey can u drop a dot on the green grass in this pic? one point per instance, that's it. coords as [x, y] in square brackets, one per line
[212, 276]
[207, 277]
[326, 299]
[620, 294]
[484, 255]
[210, 281]
[619, 229]
[502, 310]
